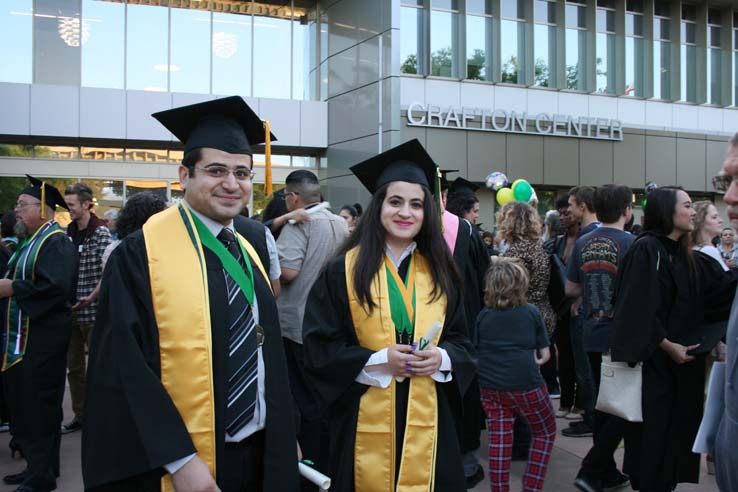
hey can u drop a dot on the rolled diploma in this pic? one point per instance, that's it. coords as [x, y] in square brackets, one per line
[426, 340]
[323, 482]
[311, 211]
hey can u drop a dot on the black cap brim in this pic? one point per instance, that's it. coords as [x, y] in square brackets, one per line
[226, 124]
[460, 185]
[444, 177]
[52, 195]
[408, 162]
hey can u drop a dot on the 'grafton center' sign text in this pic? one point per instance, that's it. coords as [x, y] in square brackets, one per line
[498, 120]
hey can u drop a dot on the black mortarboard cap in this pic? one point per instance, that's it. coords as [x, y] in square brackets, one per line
[226, 124]
[460, 185]
[408, 162]
[50, 194]
[444, 179]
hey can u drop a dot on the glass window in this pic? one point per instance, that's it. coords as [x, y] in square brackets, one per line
[55, 152]
[662, 8]
[662, 70]
[483, 7]
[411, 22]
[605, 69]
[103, 53]
[147, 57]
[688, 55]
[108, 194]
[576, 47]
[478, 31]
[16, 30]
[443, 42]
[277, 160]
[544, 46]
[146, 155]
[103, 153]
[190, 51]
[58, 33]
[136, 186]
[714, 59]
[231, 54]
[13, 150]
[271, 57]
[713, 17]
[512, 9]
[689, 12]
[300, 55]
[512, 52]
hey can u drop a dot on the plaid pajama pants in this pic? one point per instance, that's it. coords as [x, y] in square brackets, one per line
[501, 408]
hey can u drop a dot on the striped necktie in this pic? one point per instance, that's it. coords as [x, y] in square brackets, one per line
[242, 348]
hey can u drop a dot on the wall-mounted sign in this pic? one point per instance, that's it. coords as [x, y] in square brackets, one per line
[499, 120]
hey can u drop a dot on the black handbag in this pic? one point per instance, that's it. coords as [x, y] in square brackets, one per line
[556, 290]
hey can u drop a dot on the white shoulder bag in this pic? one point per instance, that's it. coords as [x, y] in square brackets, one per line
[620, 389]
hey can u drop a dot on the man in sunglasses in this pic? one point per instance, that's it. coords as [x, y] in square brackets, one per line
[187, 381]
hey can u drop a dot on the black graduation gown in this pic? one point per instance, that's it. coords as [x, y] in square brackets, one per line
[472, 259]
[132, 427]
[652, 304]
[334, 358]
[34, 387]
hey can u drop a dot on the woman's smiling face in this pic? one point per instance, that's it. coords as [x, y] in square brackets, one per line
[402, 211]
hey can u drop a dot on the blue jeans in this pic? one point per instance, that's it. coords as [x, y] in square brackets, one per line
[585, 381]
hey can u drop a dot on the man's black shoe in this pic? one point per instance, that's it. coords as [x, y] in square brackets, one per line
[580, 430]
[622, 480]
[587, 484]
[15, 478]
[477, 477]
[28, 488]
[72, 426]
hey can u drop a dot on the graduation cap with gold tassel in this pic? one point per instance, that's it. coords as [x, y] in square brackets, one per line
[46, 193]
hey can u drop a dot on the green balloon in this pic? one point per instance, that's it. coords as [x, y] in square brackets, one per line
[522, 191]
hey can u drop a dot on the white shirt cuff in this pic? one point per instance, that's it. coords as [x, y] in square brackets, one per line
[443, 374]
[174, 466]
[375, 377]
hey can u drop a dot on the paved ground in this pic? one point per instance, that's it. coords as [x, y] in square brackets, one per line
[564, 464]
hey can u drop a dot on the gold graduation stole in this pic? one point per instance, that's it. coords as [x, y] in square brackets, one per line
[179, 294]
[374, 451]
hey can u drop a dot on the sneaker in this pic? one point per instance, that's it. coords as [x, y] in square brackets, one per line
[579, 430]
[573, 415]
[4, 427]
[72, 426]
[587, 484]
[622, 480]
[477, 477]
[561, 413]
[555, 395]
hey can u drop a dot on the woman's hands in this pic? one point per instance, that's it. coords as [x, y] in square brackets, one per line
[678, 352]
[405, 361]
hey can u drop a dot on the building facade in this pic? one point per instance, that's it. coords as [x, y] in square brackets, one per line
[560, 93]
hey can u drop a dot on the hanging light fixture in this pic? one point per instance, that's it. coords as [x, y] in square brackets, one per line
[73, 31]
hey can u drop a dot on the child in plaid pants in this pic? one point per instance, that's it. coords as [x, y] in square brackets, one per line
[512, 344]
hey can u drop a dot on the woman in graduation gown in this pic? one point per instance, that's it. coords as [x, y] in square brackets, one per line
[387, 401]
[663, 296]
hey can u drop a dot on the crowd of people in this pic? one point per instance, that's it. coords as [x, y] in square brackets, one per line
[374, 344]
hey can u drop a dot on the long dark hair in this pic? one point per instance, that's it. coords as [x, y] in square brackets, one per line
[137, 211]
[658, 218]
[371, 235]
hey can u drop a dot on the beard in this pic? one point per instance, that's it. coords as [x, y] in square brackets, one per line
[20, 230]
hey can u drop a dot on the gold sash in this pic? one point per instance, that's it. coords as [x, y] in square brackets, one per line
[179, 295]
[374, 451]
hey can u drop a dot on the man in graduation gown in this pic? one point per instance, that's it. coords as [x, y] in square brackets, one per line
[472, 260]
[36, 296]
[187, 379]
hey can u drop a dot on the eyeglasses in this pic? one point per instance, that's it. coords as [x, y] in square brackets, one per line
[722, 182]
[222, 172]
[23, 206]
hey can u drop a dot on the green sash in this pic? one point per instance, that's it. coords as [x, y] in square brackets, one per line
[22, 266]
[403, 315]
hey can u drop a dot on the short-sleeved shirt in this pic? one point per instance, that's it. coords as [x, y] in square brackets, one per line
[594, 264]
[506, 341]
[305, 247]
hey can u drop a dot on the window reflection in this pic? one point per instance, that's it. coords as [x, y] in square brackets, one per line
[16, 30]
[277, 160]
[714, 58]
[411, 22]
[512, 52]
[605, 68]
[146, 155]
[231, 54]
[271, 57]
[544, 46]
[58, 34]
[634, 50]
[55, 152]
[662, 54]
[576, 47]
[443, 42]
[300, 56]
[103, 153]
[478, 34]
[136, 186]
[102, 54]
[147, 57]
[190, 51]
[108, 194]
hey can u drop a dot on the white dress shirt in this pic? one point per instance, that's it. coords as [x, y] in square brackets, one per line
[380, 377]
[258, 422]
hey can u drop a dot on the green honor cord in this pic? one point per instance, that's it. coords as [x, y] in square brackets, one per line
[399, 313]
[244, 278]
